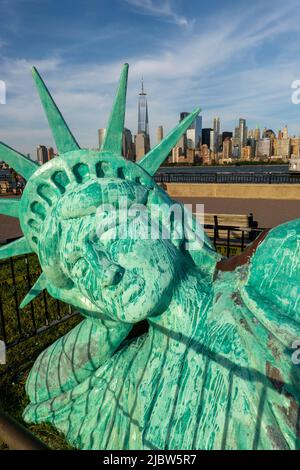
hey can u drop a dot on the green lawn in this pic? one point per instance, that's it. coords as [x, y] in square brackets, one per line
[13, 398]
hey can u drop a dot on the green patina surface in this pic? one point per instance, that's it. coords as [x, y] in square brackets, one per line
[214, 370]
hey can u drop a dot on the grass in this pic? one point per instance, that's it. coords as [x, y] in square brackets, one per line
[13, 398]
[20, 357]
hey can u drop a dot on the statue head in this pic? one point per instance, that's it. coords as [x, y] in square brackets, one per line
[98, 221]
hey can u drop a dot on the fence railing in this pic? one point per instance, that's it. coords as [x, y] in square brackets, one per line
[17, 276]
[228, 177]
[16, 436]
[231, 241]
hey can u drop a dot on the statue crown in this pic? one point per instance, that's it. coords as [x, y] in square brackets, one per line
[77, 169]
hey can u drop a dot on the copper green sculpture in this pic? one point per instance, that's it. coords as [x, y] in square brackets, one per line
[214, 370]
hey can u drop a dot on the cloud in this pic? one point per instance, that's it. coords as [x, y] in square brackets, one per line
[10, 13]
[162, 9]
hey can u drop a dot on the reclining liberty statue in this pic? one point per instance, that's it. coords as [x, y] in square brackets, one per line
[213, 367]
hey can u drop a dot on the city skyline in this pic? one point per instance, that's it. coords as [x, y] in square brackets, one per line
[194, 137]
[205, 146]
[134, 147]
[233, 60]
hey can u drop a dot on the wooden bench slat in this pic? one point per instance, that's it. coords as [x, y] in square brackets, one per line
[233, 220]
[240, 221]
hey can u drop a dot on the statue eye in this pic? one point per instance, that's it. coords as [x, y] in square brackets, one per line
[72, 258]
[80, 268]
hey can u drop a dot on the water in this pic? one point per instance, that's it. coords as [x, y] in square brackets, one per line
[226, 169]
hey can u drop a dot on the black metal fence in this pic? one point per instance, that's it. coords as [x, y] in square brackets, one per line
[228, 177]
[17, 276]
[231, 241]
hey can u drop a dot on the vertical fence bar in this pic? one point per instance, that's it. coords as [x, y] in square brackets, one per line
[216, 233]
[2, 322]
[243, 240]
[228, 243]
[58, 309]
[29, 287]
[46, 308]
[15, 295]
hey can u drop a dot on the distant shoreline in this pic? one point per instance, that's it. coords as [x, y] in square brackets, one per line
[265, 168]
[225, 166]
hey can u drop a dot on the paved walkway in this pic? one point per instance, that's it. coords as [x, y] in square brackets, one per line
[268, 213]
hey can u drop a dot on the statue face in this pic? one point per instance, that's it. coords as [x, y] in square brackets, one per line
[127, 279]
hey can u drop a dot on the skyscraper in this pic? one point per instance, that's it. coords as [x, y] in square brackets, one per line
[101, 135]
[257, 133]
[50, 153]
[143, 121]
[216, 133]
[42, 154]
[160, 134]
[226, 135]
[216, 126]
[183, 115]
[242, 133]
[142, 138]
[212, 140]
[194, 134]
[240, 138]
[192, 139]
[127, 145]
[295, 146]
[227, 148]
[282, 146]
[206, 136]
[285, 133]
[263, 148]
[142, 145]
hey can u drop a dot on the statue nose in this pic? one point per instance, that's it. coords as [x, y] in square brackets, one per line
[112, 275]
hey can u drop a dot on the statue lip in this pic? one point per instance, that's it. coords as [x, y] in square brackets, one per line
[131, 294]
[130, 287]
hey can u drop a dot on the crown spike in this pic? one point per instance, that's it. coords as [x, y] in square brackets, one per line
[21, 164]
[10, 207]
[64, 139]
[36, 289]
[114, 133]
[18, 247]
[153, 159]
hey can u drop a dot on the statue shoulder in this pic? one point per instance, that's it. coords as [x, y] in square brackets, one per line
[274, 270]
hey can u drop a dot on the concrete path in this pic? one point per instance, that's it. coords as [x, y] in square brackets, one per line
[268, 213]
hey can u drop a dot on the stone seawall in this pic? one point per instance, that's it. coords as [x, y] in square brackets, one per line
[235, 191]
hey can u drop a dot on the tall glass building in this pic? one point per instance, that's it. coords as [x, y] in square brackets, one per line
[194, 132]
[143, 121]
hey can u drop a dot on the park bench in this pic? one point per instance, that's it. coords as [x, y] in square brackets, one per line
[239, 228]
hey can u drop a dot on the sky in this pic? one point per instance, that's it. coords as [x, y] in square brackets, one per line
[233, 58]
